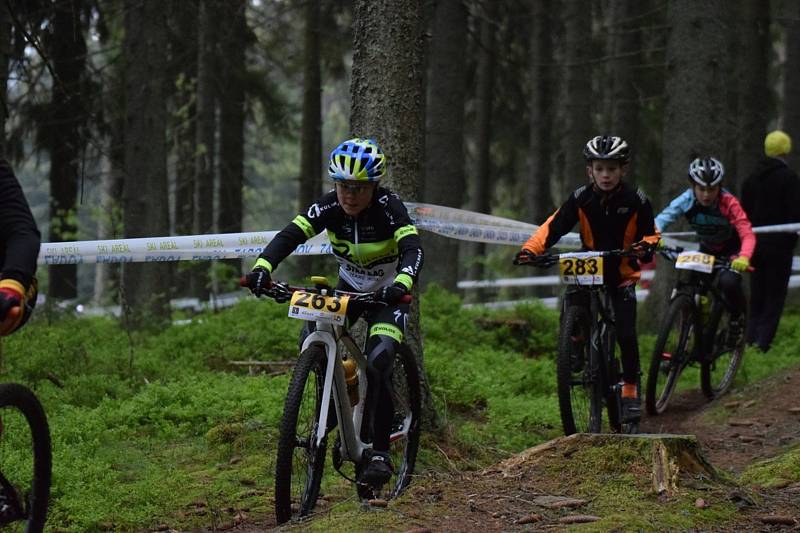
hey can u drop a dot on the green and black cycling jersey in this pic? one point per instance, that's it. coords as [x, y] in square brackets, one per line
[19, 236]
[376, 248]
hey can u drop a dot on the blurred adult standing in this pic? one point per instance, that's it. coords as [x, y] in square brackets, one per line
[771, 195]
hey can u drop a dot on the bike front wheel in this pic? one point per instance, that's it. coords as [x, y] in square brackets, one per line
[301, 460]
[580, 400]
[672, 349]
[26, 459]
[721, 363]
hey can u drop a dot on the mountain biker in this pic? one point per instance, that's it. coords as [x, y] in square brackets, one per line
[612, 215]
[721, 226]
[19, 249]
[378, 250]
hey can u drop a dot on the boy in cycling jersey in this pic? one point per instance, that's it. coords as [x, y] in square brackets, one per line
[19, 249]
[378, 250]
[612, 215]
[721, 225]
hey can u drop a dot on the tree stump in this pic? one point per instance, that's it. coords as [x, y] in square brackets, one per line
[668, 457]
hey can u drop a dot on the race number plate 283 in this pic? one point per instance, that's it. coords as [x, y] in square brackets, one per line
[316, 307]
[697, 261]
[581, 268]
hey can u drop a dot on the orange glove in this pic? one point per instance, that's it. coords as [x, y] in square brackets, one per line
[12, 297]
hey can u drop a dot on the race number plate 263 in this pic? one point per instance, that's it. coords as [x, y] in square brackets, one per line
[316, 307]
[697, 261]
[581, 268]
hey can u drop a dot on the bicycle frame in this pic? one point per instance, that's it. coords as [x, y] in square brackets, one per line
[603, 331]
[697, 286]
[349, 418]
[334, 386]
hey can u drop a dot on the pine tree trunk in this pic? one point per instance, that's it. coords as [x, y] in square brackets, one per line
[754, 98]
[696, 99]
[231, 165]
[206, 136]
[576, 95]
[146, 213]
[481, 200]
[311, 127]
[626, 44]
[695, 88]
[387, 104]
[107, 275]
[68, 55]
[184, 132]
[538, 200]
[444, 151]
[791, 81]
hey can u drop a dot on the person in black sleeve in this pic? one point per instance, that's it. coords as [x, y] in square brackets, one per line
[19, 249]
[771, 195]
[378, 250]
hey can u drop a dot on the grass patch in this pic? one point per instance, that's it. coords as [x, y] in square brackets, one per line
[155, 427]
[775, 471]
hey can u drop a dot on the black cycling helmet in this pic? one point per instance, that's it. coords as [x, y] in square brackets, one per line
[706, 172]
[607, 147]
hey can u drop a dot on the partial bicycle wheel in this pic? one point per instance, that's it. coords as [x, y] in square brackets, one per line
[673, 347]
[720, 365]
[405, 432]
[579, 400]
[301, 460]
[25, 459]
[404, 439]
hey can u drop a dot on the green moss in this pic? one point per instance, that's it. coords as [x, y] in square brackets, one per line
[146, 425]
[777, 470]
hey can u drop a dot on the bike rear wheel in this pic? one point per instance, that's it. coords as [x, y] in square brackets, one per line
[25, 457]
[300, 461]
[721, 363]
[580, 400]
[404, 438]
[670, 353]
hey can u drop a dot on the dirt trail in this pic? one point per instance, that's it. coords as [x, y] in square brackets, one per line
[756, 422]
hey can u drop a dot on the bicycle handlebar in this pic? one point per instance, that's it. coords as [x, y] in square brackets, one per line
[720, 261]
[282, 292]
[548, 260]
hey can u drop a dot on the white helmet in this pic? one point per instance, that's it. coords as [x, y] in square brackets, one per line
[706, 172]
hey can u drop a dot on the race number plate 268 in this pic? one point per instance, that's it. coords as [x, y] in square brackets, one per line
[697, 261]
[581, 268]
[316, 307]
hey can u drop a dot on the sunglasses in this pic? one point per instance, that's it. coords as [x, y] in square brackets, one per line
[354, 188]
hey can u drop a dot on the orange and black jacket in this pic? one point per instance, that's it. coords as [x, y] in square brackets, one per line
[608, 221]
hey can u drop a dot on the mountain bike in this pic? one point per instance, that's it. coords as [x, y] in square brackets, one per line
[588, 372]
[25, 460]
[695, 329]
[325, 371]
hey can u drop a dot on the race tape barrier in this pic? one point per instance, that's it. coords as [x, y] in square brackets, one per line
[447, 221]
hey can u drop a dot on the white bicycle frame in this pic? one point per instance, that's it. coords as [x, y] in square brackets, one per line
[349, 417]
[334, 385]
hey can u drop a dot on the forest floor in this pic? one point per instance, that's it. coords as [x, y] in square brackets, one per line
[746, 428]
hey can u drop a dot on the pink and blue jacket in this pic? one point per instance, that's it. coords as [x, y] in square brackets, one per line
[723, 228]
